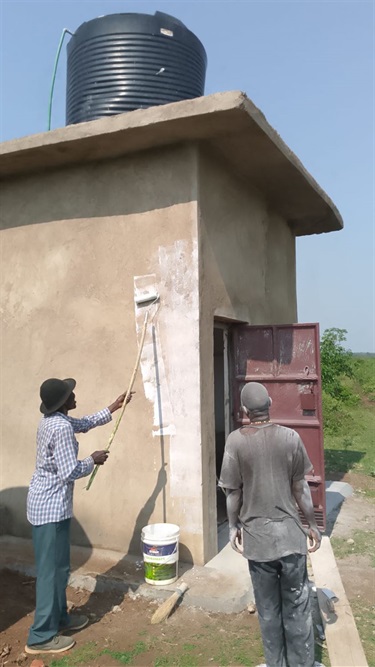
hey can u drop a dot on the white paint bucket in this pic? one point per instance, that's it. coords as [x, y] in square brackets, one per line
[160, 553]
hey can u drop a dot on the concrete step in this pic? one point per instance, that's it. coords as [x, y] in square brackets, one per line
[215, 587]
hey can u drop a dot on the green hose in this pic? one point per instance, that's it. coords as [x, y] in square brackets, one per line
[64, 32]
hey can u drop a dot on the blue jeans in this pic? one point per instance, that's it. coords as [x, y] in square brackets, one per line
[52, 558]
[282, 597]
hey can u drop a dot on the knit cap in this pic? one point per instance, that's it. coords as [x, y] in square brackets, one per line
[254, 396]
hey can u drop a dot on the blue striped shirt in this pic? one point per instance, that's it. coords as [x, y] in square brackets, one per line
[50, 496]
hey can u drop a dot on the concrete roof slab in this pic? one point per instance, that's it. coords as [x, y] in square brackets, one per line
[229, 122]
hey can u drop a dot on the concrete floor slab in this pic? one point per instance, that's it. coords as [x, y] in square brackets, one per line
[222, 585]
[217, 589]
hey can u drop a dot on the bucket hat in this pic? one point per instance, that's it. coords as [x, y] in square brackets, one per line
[54, 393]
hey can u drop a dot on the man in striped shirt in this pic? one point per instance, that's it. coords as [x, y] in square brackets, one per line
[50, 509]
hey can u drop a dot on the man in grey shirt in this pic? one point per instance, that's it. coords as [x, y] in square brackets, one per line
[263, 473]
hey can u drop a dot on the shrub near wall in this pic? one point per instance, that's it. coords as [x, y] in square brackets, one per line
[348, 397]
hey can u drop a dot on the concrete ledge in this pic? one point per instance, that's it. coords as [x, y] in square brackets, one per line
[336, 492]
[215, 587]
[222, 585]
[343, 641]
[229, 123]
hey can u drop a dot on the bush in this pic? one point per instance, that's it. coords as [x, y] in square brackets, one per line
[364, 373]
[336, 363]
[336, 419]
[347, 396]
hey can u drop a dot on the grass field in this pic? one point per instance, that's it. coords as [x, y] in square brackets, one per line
[349, 432]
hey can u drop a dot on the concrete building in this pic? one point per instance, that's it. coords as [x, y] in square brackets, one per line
[199, 201]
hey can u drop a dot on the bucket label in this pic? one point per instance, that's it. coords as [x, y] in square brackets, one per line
[154, 572]
[159, 550]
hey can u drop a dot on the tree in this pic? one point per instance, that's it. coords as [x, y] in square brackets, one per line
[336, 362]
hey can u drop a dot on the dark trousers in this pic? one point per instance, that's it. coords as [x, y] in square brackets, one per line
[281, 591]
[52, 558]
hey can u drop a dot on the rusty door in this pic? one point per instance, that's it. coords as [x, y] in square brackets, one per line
[286, 359]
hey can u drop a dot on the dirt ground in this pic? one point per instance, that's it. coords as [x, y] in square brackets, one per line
[189, 637]
[358, 481]
[122, 633]
[353, 541]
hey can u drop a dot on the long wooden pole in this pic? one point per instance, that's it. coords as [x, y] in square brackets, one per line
[128, 391]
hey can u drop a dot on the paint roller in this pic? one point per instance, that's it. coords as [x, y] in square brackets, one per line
[144, 299]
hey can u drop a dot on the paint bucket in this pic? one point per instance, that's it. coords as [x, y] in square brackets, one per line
[160, 553]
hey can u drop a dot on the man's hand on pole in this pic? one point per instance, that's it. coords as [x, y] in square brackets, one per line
[118, 403]
[100, 457]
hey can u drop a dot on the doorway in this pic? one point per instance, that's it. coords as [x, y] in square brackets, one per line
[285, 358]
[222, 416]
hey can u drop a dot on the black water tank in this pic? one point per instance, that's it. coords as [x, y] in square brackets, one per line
[123, 62]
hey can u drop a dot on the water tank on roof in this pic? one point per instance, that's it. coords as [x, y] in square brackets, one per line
[123, 62]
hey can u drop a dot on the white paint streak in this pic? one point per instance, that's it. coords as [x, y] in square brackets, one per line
[179, 327]
[166, 430]
[176, 397]
[152, 365]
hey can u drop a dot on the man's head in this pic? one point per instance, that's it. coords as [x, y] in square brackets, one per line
[255, 400]
[57, 395]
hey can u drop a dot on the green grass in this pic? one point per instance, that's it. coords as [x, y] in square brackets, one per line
[364, 369]
[364, 545]
[126, 657]
[321, 655]
[240, 647]
[177, 661]
[90, 652]
[230, 649]
[81, 656]
[237, 653]
[349, 434]
[365, 621]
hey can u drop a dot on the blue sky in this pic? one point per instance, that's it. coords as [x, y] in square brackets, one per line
[308, 65]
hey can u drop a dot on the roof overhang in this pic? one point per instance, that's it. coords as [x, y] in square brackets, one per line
[228, 122]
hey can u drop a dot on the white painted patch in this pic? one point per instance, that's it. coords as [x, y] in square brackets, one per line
[179, 327]
[174, 390]
[166, 430]
[152, 365]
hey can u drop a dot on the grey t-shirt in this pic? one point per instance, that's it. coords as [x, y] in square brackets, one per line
[263, 461]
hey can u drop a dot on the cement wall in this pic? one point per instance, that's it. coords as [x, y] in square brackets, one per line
[247, 274]
[77, 245]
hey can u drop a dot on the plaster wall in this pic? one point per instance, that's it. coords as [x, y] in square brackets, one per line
[247, 274]
[77, 246]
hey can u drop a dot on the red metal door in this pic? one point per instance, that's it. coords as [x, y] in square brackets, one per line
[286, 359]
